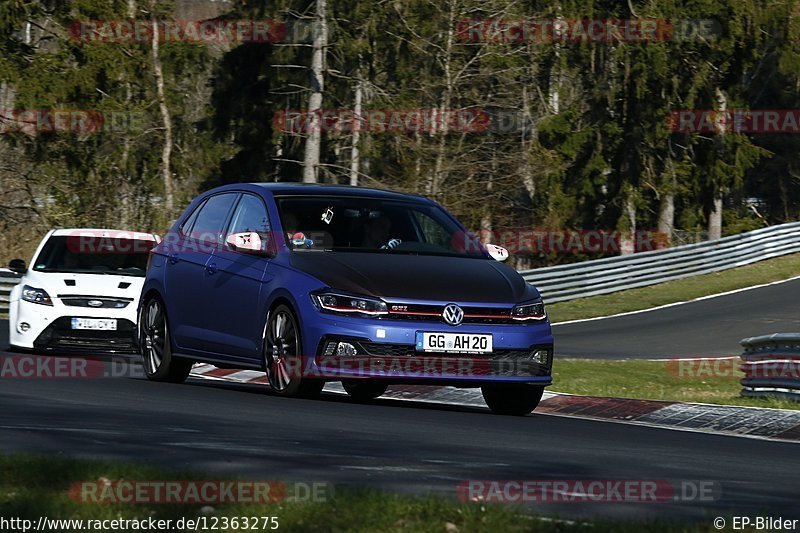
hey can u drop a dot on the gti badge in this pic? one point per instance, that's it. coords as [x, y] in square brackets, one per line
[453, 314]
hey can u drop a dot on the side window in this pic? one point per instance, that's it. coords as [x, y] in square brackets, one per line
[186, 228]
[212, 217]
[251, 216]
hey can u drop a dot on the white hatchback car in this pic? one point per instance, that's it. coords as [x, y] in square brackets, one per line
[81, 292]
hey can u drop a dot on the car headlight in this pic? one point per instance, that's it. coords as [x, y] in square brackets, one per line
[349, 304]
[529, 311]
[36, 296]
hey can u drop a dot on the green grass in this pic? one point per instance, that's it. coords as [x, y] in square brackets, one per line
[657, 380]
[677, 291]
[34, 486]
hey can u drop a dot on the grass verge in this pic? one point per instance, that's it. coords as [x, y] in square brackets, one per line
[34, 486]
[703, 382]
[677, 291]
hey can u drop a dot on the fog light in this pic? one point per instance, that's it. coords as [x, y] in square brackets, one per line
[345, 349]
[541, 356]
[23, 327]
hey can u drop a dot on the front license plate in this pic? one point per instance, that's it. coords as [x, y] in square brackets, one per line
[454, 342]
[104, 324]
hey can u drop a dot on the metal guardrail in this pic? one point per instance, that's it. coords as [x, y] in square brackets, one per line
[612, 274]
[603, 276]
[771, 366]
[7, 281]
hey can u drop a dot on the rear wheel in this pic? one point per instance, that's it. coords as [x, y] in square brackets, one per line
[154, 345]
[363, 391]
[283, 357]
[515, 400]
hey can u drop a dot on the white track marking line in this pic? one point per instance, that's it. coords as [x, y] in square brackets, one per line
[708, 297]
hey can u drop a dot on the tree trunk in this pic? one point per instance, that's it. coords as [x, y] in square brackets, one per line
[357, 124]
[444, 106]
[666, 208]
[666, 216]
[314, 139]
[166, 120]
[627, 239]
[553, 97]
[715, 215]
[524, 146]
[715, 219]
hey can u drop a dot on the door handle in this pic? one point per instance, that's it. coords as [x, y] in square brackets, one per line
[211, 268]
[172, 258]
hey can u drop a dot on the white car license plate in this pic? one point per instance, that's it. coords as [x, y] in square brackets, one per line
[454, 342]
[104, 324]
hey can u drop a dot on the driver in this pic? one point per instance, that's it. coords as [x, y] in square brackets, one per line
[378, 234]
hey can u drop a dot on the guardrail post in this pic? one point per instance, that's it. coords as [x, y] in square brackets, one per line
[771, 366]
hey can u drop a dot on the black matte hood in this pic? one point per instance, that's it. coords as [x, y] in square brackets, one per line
[418, 277]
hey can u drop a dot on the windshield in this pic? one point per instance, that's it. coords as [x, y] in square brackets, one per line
[94, 255]
[341, 223]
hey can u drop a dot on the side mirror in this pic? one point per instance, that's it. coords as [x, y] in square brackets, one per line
[498, 253]
[18, 266]
[249, 243]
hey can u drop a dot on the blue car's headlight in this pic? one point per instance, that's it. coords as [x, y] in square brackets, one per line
[36, 296]
[529, 311]
[333, 302]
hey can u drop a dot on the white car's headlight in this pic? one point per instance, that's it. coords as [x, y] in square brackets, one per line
[529, 311]
[36, 296]
[333, 302]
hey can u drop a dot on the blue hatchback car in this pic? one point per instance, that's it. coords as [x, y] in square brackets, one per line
[316, 283]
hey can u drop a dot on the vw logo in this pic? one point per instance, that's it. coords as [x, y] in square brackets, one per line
[453, 314]
[94, 303]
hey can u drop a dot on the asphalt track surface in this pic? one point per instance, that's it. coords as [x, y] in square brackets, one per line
[706, 328]
[414, 448]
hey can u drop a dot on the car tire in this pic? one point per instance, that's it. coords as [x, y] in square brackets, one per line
[514, 400]
[363, 391]
[155, 345]
[283, 356]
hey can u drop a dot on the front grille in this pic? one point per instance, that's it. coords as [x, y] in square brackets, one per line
[387, 350]
[59, 336]
[433, 313]
[105, 302]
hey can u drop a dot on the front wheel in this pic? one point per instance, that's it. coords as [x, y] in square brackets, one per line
[154, 345]
[283, 359]
[515, 400]
[363, 391]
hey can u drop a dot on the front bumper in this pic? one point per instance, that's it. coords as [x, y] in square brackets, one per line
[60, 337]
[49, 329]
[386, 352]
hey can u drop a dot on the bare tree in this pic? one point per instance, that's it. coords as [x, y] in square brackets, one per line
[313, 141]
[166, 119]
[715, 215]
